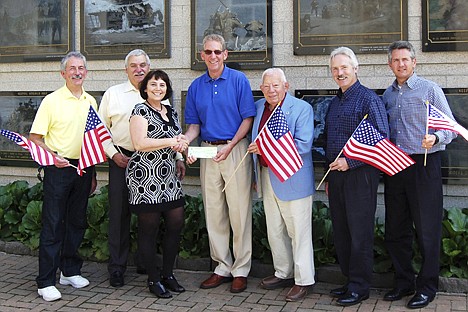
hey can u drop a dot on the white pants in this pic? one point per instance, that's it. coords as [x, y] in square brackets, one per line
[289, 227]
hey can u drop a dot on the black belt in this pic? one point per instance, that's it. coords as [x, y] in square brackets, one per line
[74, 162]
[124, 151]
[217, 142]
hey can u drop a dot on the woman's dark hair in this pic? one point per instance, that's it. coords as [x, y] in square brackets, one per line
[156, 74]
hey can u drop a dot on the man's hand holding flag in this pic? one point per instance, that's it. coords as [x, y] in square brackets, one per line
[436, 119]
[40, 155]
[366, 144]
[277, 146]
[369, 146]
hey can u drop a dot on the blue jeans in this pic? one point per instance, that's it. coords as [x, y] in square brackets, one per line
[63, 222]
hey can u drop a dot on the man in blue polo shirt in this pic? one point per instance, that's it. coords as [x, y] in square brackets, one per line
[220, 109]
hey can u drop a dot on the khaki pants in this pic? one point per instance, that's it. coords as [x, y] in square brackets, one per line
[231, 209]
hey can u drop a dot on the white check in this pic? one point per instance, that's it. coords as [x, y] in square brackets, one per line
[202, 152]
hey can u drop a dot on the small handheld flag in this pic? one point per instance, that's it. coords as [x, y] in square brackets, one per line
[436, 119]
[92, 151]
[38, 154]
[369, 146]
[277, 146]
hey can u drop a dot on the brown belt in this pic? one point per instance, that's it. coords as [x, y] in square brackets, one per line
[218, 142]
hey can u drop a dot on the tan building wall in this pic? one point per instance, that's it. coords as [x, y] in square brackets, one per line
[448, 69]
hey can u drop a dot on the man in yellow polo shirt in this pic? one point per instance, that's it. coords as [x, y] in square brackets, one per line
[59, 127]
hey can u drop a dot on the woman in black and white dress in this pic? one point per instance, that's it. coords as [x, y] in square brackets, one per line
[154, 179]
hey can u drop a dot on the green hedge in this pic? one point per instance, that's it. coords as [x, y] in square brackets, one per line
[20, 220]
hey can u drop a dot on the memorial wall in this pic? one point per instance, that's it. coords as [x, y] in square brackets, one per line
[296, 35]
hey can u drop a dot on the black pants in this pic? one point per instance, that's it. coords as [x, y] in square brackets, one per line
[353, 200]
[119, 219]
[414, 201]
[63, 222]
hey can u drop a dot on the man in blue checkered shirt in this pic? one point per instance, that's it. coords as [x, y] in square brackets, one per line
[413, 197]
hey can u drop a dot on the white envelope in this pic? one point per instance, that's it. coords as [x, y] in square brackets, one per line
[202, 152]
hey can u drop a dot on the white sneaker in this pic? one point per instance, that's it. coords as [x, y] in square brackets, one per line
[49, 293]
[76, 281]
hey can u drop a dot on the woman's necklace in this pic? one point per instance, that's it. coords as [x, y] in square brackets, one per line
[158, 110]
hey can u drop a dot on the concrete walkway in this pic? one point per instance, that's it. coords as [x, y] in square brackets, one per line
[18, 292]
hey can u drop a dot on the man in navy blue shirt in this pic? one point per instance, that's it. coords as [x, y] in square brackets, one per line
[352, 184]
[220, 109]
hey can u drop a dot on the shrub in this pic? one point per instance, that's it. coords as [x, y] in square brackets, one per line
[20, 220]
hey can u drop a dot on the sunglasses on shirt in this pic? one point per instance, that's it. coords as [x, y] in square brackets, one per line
[208, 52]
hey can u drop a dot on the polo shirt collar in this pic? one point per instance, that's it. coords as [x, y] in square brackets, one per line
[224, 74]
[67, 93]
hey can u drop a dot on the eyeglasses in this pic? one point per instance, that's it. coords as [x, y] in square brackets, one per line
[208, 52]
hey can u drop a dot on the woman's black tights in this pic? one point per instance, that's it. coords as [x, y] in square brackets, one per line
[148, 228]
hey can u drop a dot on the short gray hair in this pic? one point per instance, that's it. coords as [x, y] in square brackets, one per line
[274, 71]
[137, 52]
[401, 44]
[63, 63]
[345, 51]
[215, 37]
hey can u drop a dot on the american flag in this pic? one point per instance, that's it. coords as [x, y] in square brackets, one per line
[369, 146]
[277, 147]
[438, 120]
[38, 154]
[95, 133]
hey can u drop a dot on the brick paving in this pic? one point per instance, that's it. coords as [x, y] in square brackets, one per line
[18, 292]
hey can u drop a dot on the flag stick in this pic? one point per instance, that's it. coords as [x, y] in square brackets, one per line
[118, 148]
[73, 166]
[328, 171]
[261, 130]
[427, 129]
[237, 168]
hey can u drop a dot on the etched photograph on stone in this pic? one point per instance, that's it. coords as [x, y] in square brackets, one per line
[444, 25]
[366, 26]
[34, 30]
[112, 28]
[454, 161]
[244, 24]
[17, 112]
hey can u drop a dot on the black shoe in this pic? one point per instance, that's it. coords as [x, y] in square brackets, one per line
[419, 301]
[172, 284]
[397, 294]
[351, 298]
[116, 279]
[158, 289]
[140, 270]
[340, 291]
